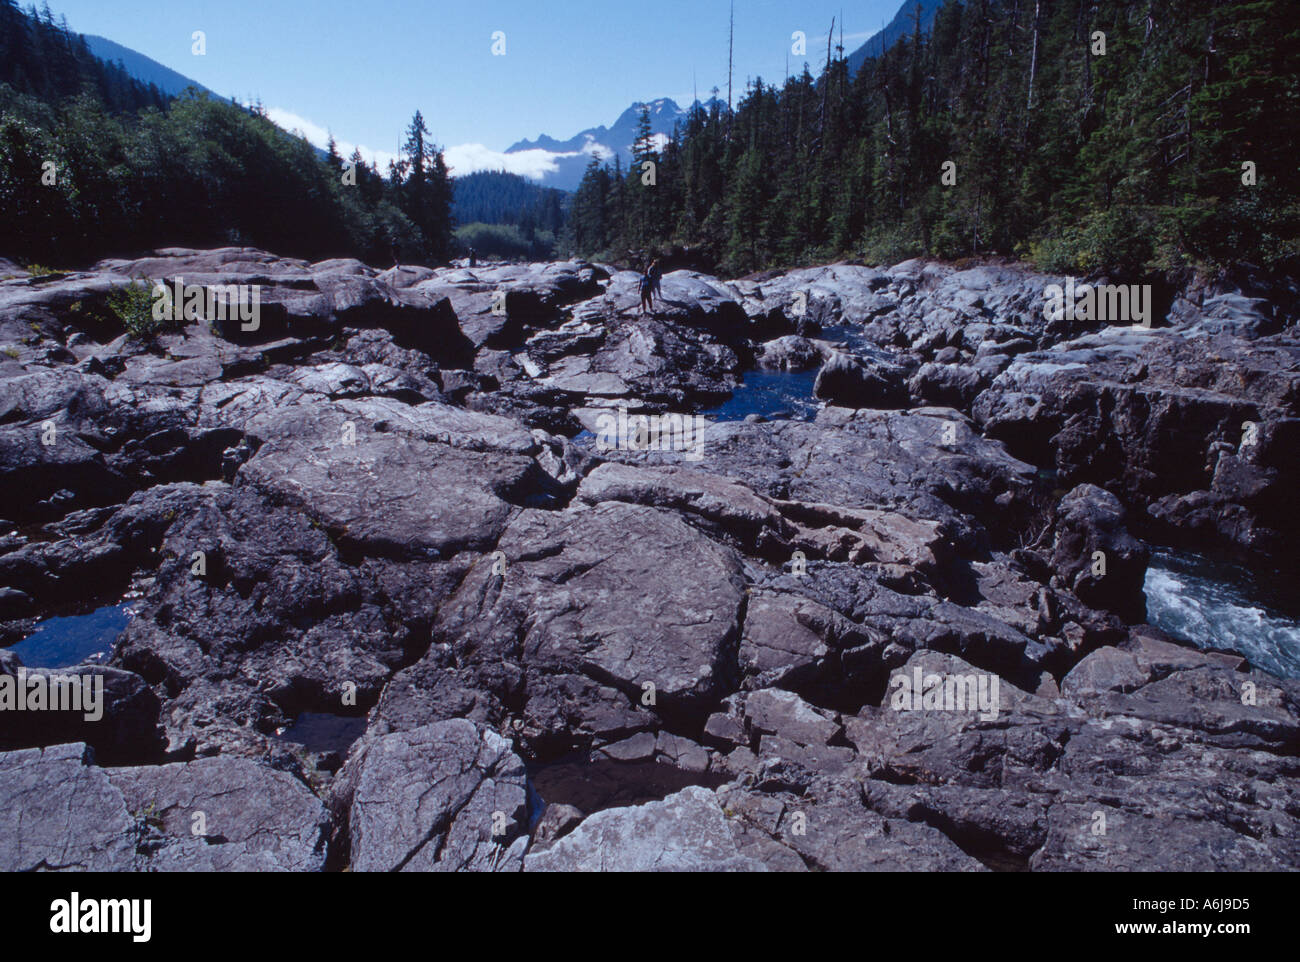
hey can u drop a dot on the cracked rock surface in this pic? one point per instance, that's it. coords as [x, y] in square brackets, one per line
[384, 508]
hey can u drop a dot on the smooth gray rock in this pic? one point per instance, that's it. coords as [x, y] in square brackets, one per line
[446, 797]
[686, 832]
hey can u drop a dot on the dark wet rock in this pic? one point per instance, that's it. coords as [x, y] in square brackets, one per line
[1095, 556]
[116, 713]
[851, 381]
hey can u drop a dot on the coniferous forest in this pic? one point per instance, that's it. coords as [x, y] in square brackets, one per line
[1131, 135]
[504, 215]
[132, 170]
[1082, 134]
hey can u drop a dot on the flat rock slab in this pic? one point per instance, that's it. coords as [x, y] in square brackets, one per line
[626, 594]
[253, 813]
[445, 797]
[393, 493]
[61, 812]
[58, 812]
[685, 832]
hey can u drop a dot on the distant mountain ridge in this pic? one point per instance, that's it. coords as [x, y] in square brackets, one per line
[607, 143]
[142, 68]
[902, 25]
[602, 142]
[572, 155]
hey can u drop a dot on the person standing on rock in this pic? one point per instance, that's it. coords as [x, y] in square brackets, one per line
[656, 275]
[647, 293]
[473, 257]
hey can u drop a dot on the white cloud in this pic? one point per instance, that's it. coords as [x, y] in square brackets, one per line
[469, 158]
[319, 136]
[461, 159]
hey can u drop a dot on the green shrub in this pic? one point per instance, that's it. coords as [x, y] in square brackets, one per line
[505, 241]
[889, 244]
[133, 306]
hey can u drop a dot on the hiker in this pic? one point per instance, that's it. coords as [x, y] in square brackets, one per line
[656, 276]
[473, 257]
[647, 293]
[396, 254]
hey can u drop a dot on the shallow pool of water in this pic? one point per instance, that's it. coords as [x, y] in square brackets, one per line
[788, 395]
[322, 732]
[770, 394]
[1216, 605]
[74, 639]
[591, 786]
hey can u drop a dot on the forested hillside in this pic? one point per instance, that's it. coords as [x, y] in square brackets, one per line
[1082, 134]
[46, 60]
[93, 163]
[496, 197]
[504, 215]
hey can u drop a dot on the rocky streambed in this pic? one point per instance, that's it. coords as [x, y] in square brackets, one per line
[388, 584]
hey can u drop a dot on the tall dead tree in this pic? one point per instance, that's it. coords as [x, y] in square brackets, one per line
[1033, 60]
[731, 45]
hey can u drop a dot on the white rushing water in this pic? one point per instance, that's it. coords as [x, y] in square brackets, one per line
[1218, 606]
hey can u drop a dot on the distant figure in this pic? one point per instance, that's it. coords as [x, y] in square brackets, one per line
[647, 293]
[656, 276]
[396, 254]
[473, 257]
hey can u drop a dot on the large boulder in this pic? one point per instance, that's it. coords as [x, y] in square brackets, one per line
[851, 381]
[1095, 556]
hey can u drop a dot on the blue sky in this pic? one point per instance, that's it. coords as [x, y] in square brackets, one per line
[360, 69]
